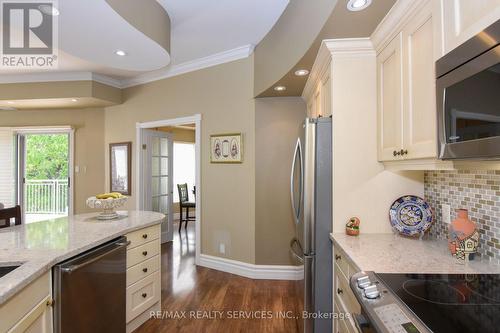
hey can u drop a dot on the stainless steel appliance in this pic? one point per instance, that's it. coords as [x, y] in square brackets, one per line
[438, 303]
[89, 290]
[468, 98]
[311, 196]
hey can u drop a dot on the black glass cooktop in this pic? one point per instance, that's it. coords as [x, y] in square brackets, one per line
[450, 303]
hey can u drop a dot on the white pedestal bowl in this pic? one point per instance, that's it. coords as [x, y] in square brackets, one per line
[107, 205]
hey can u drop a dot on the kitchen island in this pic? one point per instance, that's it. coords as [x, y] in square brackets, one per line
[37, 247]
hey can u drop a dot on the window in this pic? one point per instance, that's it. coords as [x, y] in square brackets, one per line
[184, 167]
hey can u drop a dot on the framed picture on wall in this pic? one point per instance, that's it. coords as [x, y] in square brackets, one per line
[226, 148]
[120, 167]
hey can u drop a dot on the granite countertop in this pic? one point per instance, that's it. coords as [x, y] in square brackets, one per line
[390, 253]
[39, 246]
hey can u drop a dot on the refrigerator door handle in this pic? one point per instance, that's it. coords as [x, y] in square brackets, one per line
[297, 153]
[292, 250]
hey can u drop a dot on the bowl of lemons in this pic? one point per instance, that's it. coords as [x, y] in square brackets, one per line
[107, 202]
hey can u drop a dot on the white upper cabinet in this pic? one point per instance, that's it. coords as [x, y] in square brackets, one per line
[462, 19]
[406, 81]
[390, 107]
[419, 85]
[408, 41]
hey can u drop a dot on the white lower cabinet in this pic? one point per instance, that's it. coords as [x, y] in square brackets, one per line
[344, 301]
[30, 310]
[38, 320]
[143, 275]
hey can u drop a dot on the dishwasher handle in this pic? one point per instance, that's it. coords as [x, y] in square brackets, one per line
[73, 268]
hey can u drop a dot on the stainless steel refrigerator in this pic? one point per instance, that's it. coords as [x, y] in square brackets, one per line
[311, 196]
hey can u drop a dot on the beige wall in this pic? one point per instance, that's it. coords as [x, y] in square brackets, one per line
[277, 125]
[223, 96]
[89, 148]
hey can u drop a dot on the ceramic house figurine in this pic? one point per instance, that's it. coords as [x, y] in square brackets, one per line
[352, 227]
[463, 236]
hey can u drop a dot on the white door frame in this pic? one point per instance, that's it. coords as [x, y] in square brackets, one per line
[196, 119]
[71, 167]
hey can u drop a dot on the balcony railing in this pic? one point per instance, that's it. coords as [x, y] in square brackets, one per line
[47, 196]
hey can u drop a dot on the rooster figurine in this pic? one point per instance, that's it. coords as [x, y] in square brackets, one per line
[352, 226]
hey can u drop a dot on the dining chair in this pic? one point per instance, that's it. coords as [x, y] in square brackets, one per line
[184, 203]
[7, 214]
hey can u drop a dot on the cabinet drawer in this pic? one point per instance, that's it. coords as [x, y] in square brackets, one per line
[344, 292]
[142, 252]
[23, 302]
[345, 320]
[142, 295]
[142, 269]
[341, 261]
[142, 236]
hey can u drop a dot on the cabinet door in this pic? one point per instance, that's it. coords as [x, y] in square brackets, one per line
[419, 115]
[465, 18]
[389, 76]
[38, 320]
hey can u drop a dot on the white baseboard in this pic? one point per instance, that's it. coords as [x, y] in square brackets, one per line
[252, 271]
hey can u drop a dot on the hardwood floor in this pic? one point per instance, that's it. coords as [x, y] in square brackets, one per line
[225, 297]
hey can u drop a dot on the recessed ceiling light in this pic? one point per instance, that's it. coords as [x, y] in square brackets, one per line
[280, 88]
[74, 100]
[120, 53]
[357, 5]
[301, 72]
[49, 10]
[10, 102]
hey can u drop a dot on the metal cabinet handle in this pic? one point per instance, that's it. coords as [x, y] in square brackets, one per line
[144, 295]
[338, 257]
[145, 270]
[403, 152]
[145, 236]
[339, 291]
[73, 268]
[396, 153]
[144, 253]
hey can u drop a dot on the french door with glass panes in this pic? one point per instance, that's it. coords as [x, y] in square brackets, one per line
[157, 150]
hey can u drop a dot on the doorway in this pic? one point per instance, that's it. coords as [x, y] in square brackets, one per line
[146, 132]
[39, 169]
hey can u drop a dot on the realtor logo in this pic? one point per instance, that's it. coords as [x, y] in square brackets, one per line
[29, 34]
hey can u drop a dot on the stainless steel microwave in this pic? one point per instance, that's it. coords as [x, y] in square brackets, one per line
[468, 98]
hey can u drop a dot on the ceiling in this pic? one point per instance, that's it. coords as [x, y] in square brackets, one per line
[89, 34]
[202, 34]
[342, 23]
[201, 28]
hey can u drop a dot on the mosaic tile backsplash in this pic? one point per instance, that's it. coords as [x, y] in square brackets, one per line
[477, 191]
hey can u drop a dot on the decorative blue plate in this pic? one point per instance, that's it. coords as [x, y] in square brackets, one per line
[410, 215]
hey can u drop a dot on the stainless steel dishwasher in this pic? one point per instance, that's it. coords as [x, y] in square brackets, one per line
[89, 290]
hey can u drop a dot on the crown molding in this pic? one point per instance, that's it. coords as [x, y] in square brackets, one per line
[174, 70]
[334, 49]
[349, 46]
[191, 66]
[60, 76]
[393, 22]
